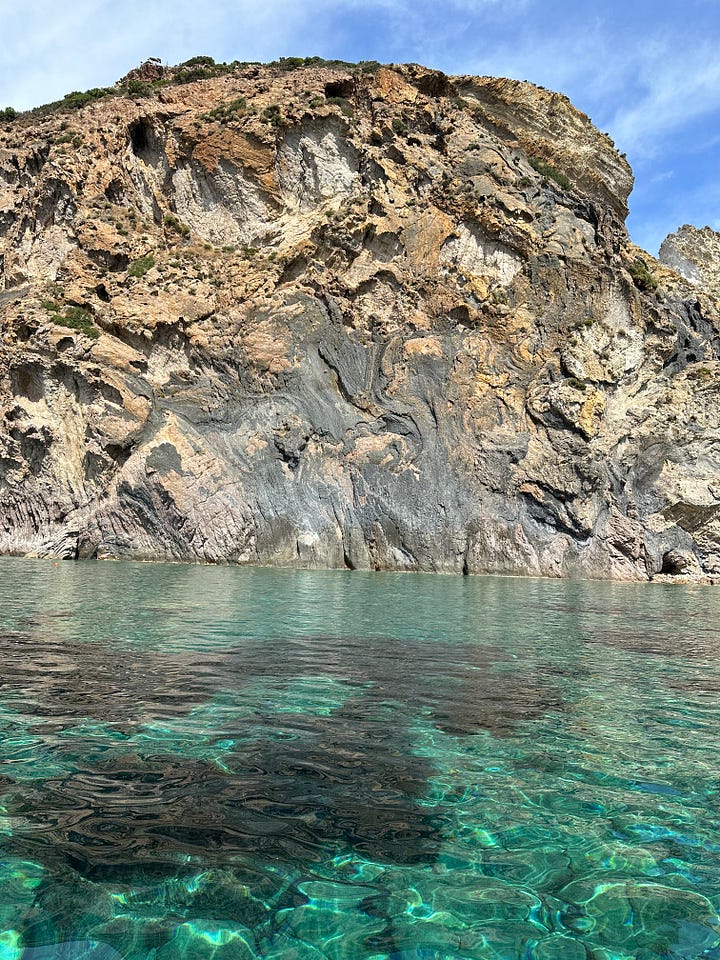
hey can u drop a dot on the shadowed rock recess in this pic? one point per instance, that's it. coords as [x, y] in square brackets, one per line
[321, 315]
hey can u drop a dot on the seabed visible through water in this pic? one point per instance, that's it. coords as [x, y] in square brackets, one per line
[230, 763]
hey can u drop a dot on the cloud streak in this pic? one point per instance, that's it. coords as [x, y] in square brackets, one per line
[670, 96]
[646, 72]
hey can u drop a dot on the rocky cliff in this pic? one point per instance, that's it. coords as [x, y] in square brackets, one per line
[321, 315]
[695, 255]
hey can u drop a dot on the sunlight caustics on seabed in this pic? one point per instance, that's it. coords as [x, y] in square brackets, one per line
[229, 763]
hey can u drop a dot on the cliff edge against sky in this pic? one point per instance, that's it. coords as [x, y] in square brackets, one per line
[325, 315]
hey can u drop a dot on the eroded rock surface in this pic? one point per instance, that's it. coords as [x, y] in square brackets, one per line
[694, 254]
[332, 317]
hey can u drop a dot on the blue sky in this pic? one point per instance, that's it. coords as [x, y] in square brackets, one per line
[646, 72]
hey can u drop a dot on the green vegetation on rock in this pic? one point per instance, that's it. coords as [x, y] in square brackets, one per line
[202, 68]
[345, 105]
[177, 226]
[273, 114]
[76, 318]
[641, 276]
[74, 101]
[139, 88]
[226, 111]
[549, 172]
[138, 268]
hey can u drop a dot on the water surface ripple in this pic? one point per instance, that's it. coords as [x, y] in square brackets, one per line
[230, 763]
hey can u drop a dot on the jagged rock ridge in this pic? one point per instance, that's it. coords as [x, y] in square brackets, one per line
[376, 318]
[694, 254]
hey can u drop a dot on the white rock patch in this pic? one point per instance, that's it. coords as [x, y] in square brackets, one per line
[316, 163]
[223, 207]
[470, 252]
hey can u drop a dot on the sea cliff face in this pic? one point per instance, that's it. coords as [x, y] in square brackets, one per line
[330, 316]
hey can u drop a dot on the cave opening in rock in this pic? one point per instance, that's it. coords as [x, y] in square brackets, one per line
[27, 380]
[673, 563]
[339, 88]
[436, 84]
[141, 136]
[114, 191]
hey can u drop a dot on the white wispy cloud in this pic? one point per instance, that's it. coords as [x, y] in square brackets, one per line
[651, 82]
[669, 95]
[662, 176]
[48, 50]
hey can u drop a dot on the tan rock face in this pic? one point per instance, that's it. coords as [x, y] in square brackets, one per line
[329, 317]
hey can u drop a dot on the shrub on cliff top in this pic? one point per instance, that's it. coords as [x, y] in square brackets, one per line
[294, 63]
[201, 68]
[74, 100]
[297, 63]
[78, 98]
[9, 113]
[198, 62]
[139, 88]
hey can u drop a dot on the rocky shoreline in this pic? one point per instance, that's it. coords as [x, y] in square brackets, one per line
[332, 316]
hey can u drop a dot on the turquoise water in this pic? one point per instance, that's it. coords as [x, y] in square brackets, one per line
[234, 763]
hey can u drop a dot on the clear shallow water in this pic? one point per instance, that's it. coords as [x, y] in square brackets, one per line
[233, 763]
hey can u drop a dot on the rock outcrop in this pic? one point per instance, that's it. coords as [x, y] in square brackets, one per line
[373, 317]
[694, 254]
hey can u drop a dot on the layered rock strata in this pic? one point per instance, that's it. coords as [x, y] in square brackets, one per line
[339, 317]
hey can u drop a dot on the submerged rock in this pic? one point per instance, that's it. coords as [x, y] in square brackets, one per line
[70, 950]
[372, 317]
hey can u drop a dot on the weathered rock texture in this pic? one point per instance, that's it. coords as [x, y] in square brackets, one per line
[381, 319]
[694, 254]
